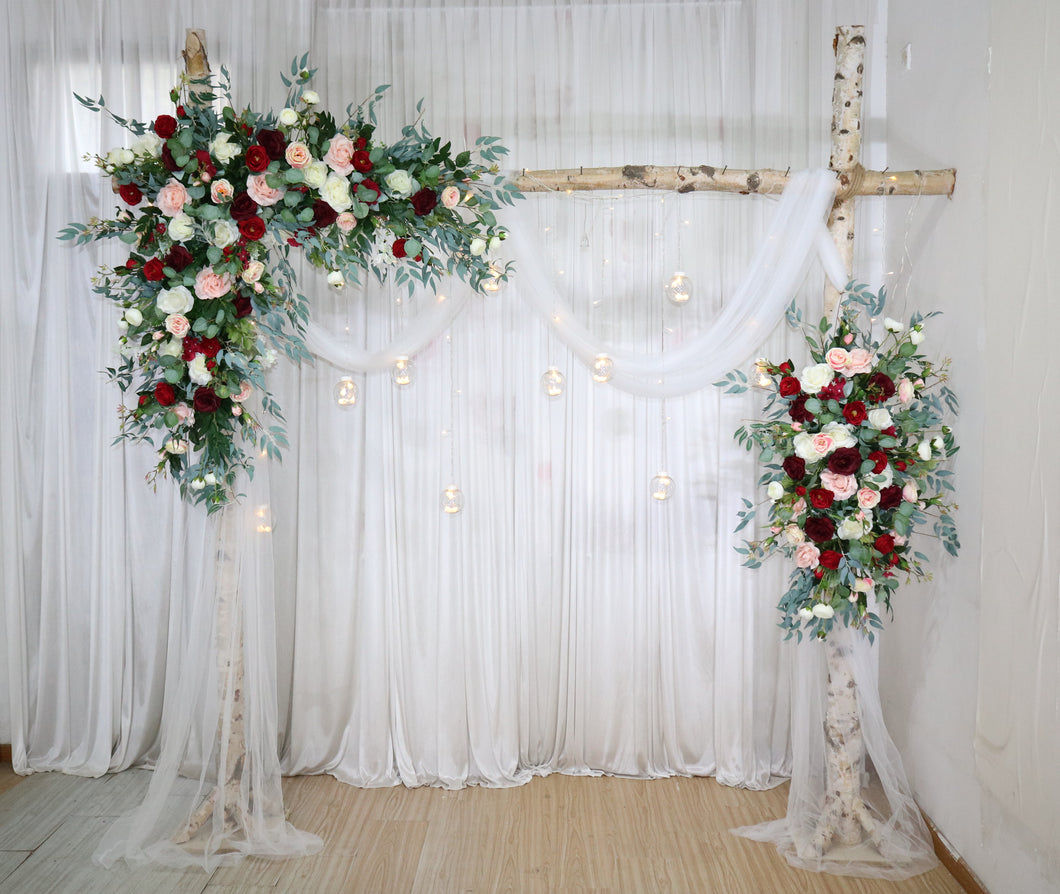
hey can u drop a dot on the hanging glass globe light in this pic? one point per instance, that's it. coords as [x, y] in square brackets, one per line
[345, 392]
[452, 500]
[403, 372]
[760, 377]
[263, 519]
[553, 382]
[662, 487]
[603, 368]
[494, 283]
[679, 289]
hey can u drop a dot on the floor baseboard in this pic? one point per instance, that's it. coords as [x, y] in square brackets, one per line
[5, 754]
[953, 861]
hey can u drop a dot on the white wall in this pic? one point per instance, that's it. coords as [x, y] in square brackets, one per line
[956, 643]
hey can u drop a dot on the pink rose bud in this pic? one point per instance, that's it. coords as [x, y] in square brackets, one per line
[848, 338]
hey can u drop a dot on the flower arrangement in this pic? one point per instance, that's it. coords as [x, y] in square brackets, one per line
[852, 449]
[212, 204]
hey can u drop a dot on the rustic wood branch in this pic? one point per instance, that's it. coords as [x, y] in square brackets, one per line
[707, 178]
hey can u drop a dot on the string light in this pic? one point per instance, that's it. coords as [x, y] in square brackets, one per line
[452, 500]
[403, 372]
[264, 516]
[603, 368]
[553, 382]
[345, 392]
[662, 487]
[679, 289]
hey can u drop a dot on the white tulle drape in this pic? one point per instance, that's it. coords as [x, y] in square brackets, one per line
[564, 620]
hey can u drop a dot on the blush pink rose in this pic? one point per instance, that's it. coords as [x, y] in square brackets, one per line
[339, 156]
[346, 221]
[221, 191]
[184, 413]
[178, 325]
[450, 197]
[244, 392]
[858, 361]
[807, 555]
[909, 493]
[209, 284]
[905, 391]
[843, 486]
[868, 498]
[297, 155]
[837, 359]
[171, 198]
[823, 443]
[798, 507]
[261, 192]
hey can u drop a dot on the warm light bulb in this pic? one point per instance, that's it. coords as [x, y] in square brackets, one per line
[553, 382]
[263, 515]
[679, 289]
[452, 500]
[403, 372]
[603, 368]
[662, 487]
[345, 392]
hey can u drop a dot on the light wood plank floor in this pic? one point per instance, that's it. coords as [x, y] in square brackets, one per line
[556, 834]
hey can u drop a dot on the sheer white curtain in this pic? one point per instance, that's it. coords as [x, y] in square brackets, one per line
[564, 620]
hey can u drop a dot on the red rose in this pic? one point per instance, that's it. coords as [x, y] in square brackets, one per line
[424, 201]
[178, 258]
[132, 263]
[257, 159]
[165, 126]
[323, 214]
[884, 543]
[855, 412]
[789, 386]
[211, 347]
[143, 399]
[360, 143]
[819, 529]
[900, 465]
[818, 573]
[131, 194]
[153, 270]
[786, 367]
[801, 491]
[243, 207]
[206, 401]
[798, 412]
[181, 113]
[880, 458]
[294, 243]
[164, 394]
[273, 142]
[829, 558]
[252, 229]
[373, 190]
[243, 307]
[821, 498]
[845, 460]
[168, 161]
[795, 467]
[890, 497]
[880, 387]
[206, 165]
[362, 161]
[398, 248]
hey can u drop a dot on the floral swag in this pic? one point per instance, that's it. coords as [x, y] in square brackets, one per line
[214, 203]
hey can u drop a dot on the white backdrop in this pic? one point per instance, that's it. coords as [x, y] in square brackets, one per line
[562, 621]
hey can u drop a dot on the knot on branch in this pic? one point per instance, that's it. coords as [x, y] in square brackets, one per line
[849, 183]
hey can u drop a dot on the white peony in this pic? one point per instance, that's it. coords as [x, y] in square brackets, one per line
[225, 233]
[315, 174]
[147, 146]
[916, 336]
[288, 117]
[336, 279]
[822, 611]
[850, 528]
[775, 491]
[210, 478]
[840, 434]
[938, 444]
[400, 184]
[197, 484]
[174, 347]
[495, 243]
[310, 97]
[815, 377]
[893, 325]
[806, 614]
[177, 300]
[133, 316]
[223, 150]
[923, 450]
[197, 370]
[181, 227]
[880, 419]
[336, 192]
[478, 246]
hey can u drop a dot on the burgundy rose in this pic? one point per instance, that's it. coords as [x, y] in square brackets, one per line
[243, 307]
[168, 160]
[884, 543]
[165, 126]
[829, 558]
[252, 229]
[274, 142]
[398, 248]
[206, 401]
[323, 214]
[789, 386]
[800, 491]
[880, 387]
[798, 412]
[257, 159]
[130, 193]
[153, 270]
[821, 498]
[243, 207]
[845, 460]
[206, 165]
[178, 258]
[819, 529]
[211, 347]
[165, 394]
[362, 161]
[795, 467]
[855, 412]
[424, 201]
[890, 497]
[191, 348]
[880, 458]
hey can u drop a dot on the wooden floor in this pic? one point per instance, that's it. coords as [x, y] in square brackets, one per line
[556, 834]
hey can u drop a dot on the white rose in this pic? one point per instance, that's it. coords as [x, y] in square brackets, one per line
[288, 117]
[253, 271]
[197, 370]
[177, 300]
[822, 611]
[916, 336]
[310, 97]
[910, 493]
[880, 480]
[210, 478]
[478, 246]
[794, 534]
[315, 174]
[815, 377]
[336, 192]
[495, 243]
[197, 484]
[880, 419]
[147, 145]
[840, 434]
[775, 491]
[806, 614]
[133, 316]
[225, 233]
[399, 184]
[336, 279]
[923, 450]
[938, 444]
[222, 150]
[804, 449]
[113, 158]
[174, 347]
[181, 227]
[850, 529]
[893, 325]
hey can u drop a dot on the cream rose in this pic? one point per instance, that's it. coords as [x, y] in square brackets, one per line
[177, 300]
[223, 150]
[339, 156]
[775, 491]
[868, 498]
[315, 174]
[260, 191]
[850, 529]
[807, 555]
[478, 246]
[336, 192]
[880, 419]
[171, 198]
[223, 233]
[197, 370]
[288, 117]
[923, 450]
[450, 197]
[910, 492]
[178, 325]
[176, 446]
[252, 272]
[815, 377]
[133, 316]
[147, 146]
[346, 221]
[840, 433]
[399, 184]
[221, 191]
[864, 585]
[209, 284]
[181, 228]
[310, 97]
[794, 535]
[297, 155]
[173, 347]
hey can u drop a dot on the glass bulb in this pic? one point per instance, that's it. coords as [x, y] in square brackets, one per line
[760, 377]
[345, 392]
[679, 289]
[662, 487]
[553, 382]
[494, 283]
[452, 500]
[603, 368]
[263, 519]
[403, 372]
